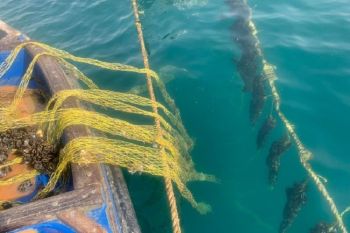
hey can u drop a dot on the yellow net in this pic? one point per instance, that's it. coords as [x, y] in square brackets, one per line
[125, 103]
[137, 146]
[168, 184]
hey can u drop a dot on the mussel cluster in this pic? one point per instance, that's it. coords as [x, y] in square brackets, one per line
[249, 64]
[6, 205]
[273, 160]
[26, 143]
[265, 129]
[296, 199]
[25, 186]
[323, 227]
[250, 68]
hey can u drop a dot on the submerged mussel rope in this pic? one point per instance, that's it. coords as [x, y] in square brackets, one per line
[268, 73]
[296, 199]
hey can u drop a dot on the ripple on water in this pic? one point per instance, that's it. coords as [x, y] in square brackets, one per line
[302, 23]
[308, 41]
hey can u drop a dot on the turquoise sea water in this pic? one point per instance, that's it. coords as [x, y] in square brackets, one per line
[192, 43]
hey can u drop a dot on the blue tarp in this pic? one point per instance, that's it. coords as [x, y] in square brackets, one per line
[14, 75]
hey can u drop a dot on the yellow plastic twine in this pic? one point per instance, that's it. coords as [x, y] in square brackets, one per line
[19, 178]
[168, 139]
[126, 103]
[61, 55]
[17, 160]
[168, 184]
[106, 65]
[304, 154]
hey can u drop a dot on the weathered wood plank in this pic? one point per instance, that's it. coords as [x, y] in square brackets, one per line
[56, 80]
[9, 37]
[78, 220]
[119, 198]
[119, 206]
[120, 209]
[46, 209]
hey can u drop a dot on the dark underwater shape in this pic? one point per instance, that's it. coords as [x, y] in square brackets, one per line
[246, 68]
[323, 227]
[273, 160]
[171, 35]
[239, 8]
[166, 36]
[248, 64]
[258, 99]
[296, 199]
[147, 47]
[146, 4]
[268, 125]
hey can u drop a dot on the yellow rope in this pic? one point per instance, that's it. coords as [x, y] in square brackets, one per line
[168, 184]
[304, 154]
[19, 178]
[17, 160]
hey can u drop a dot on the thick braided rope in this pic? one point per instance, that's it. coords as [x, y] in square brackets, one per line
[168, 184]
[304, 154]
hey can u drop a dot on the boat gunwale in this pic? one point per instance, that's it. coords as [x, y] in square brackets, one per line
[99, 184]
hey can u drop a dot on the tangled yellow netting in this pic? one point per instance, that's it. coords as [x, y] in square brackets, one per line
[136, 145]
[304, 154]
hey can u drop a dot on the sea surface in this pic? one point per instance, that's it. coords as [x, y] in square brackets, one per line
[191, 44]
